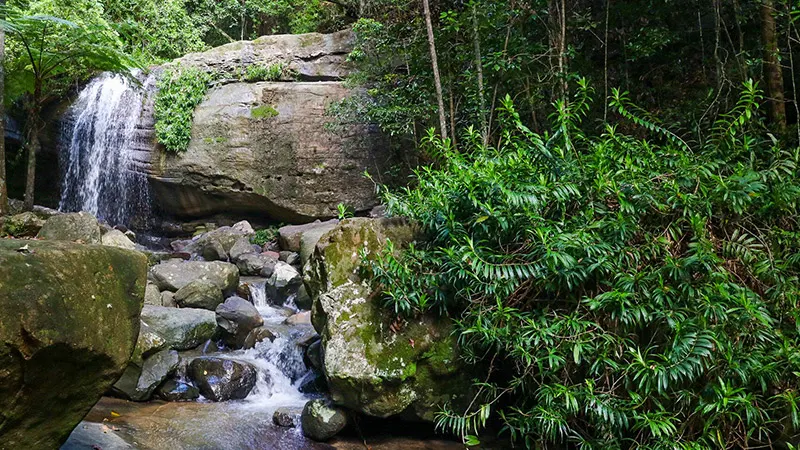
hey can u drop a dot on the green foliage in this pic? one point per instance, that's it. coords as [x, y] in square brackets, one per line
[344, 211]
[261, 72]
[626, 292]
[180, 90]
[265, 236]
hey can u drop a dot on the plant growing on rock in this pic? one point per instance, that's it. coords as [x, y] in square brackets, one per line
[180, 91]
[626, 292]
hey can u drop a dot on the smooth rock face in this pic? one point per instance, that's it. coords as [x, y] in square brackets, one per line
[263, 149]
[77, 227]
[203, 294]
[237, 317]
[182, 329]
[370, 368]
[116, 238]
[69, 325]
[322, 421]
[221, 379]
[289, 235]
[173, 274]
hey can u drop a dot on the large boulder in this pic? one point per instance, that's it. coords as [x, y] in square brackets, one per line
[237, 318]
[371, 366]
[263, 149]
[77, 227]
[174, 274]
[69, 324]
[182, 329]
[217, 244]
[321, 420]
[221, 379]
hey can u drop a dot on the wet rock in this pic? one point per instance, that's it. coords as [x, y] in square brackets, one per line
[286, 416]
[173, 275]
[247, 285]
[291, 258]
[322, 421]
[138, 383]
[203, 294]
[303, 300]
[284, 283]
[183, 328]
[148, 343]
[168, 299]
[289, 236]
[314, 355]
[116, 238]
[69, 325]
[221, 379]
[26, 224]
[256, 336]
[313, 383]
[77, 227]
[152, 296]
[95, 436]
[177, 391]
[299, 318]
[256, 264]
[237, 318]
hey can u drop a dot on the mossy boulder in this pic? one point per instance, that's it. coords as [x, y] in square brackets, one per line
[69, 320]
[26, 224]
[77, 227]
[373, 363]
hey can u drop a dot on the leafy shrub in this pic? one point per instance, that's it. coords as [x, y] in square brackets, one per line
[626, 292]
[263, 236]
[180, 90]
[260, 72]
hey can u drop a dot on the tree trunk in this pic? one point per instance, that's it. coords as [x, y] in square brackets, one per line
[479, 68]
[3, 182]
[435, 65]
[772, 68]
[32, 128]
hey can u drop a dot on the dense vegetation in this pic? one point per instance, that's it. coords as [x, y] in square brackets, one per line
[631, 282]
[627, 292]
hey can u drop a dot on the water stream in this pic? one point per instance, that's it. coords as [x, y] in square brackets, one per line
[101, 151]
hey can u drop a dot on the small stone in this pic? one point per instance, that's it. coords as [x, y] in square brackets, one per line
[313, 383]
[284, 283]
[241, 247]
[168, 299]
[314, 355]
[256, 336]
[138, 384]
[152, 296]
[244, 227]
[299, 318]
[176, 391]
[287, 417]
[116, 238]
[303, 300]
[321, 420]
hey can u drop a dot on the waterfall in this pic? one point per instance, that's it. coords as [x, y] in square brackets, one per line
[101, 157]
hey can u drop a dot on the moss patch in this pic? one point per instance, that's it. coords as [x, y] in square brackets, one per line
[263, 112]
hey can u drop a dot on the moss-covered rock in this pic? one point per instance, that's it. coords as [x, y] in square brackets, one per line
[26, 224]
[69, 320]
[77, 227]
[373, 363]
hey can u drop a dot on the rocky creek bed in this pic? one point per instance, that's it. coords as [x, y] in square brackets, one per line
[273, 346]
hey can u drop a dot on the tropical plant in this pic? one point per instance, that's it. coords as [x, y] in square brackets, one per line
[180, 90]
[625, 292]
[46, 54]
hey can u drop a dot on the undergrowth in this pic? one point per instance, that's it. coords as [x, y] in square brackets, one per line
[625, 292]
[180, 91]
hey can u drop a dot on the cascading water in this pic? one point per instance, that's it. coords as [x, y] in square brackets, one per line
[101, 152]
